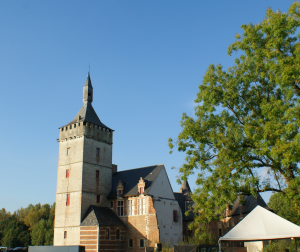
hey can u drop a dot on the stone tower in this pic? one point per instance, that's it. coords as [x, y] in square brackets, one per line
[84, 169]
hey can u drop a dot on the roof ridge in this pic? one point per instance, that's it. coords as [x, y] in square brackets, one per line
[139, 168]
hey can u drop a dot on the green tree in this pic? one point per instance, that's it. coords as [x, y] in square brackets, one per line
[247, 119]
[284, 207]
[38, 233]
[15, 234]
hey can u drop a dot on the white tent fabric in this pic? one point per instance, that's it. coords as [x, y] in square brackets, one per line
[261, 224]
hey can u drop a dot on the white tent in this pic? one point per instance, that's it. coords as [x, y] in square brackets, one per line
[261, 224]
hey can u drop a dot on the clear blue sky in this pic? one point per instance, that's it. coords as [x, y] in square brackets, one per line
[147, 60]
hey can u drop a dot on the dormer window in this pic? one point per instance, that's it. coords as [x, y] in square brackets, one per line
[119, 193]
[141, 190]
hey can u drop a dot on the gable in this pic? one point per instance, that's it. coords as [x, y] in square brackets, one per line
[161, 187]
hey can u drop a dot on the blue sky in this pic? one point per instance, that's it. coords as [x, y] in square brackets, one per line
[147, 60]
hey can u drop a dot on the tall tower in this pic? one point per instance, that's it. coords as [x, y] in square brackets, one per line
[84, 169]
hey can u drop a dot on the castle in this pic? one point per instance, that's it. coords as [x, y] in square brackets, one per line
[101, 208]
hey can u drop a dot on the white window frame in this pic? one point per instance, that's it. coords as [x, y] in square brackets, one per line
[141, 206]
[119, 207]
[130, 207]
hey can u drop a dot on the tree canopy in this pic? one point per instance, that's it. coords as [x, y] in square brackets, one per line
[244, 136]
[33, 225]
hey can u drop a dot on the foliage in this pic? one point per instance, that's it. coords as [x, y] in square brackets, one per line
[247, 119]
[33, 225]
[284, 207]
[280, 246]
[201, 236]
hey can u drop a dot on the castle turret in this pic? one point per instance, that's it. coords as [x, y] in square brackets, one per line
[84, 169]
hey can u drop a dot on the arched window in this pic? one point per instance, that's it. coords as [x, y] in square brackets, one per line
[118, 234]
[107, 234]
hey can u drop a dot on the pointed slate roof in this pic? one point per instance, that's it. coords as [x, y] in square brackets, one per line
[87, 112]
[101, 216]
[130, 179]
[250, 202]
[261, 224]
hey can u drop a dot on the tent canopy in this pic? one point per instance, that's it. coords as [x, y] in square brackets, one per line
[261, 224]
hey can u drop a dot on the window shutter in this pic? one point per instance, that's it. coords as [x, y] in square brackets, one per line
[68, 199]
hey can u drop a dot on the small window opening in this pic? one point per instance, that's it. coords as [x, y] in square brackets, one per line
[120, 208]
[67, 173]
[117, 234]
[97, 152]
[175, 217]
[119, 193]
[97, 174]
[130, 243]
[70, 126]
[68, 200]
[90, 94]
[111, 204]
[65, 234]
[220, 232]
[107, 234]
[68, 151]
[141, 243]
[141, 190]
[98, 198]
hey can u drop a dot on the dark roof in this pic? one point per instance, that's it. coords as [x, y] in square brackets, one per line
[185, 203]
[87, 114]
[185, 187]
[101, 216]
[248, 202]
[130, 179]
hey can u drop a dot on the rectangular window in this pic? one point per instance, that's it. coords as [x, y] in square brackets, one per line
[130, 243]
[65, 234]
[112, 205]
[119, 193]
[69, 151]
[130, 207]
[68, 200]
[67, 173]
[141, 243]
[120, 207]
[98, 152]
[98, 198]
[220, 232]
[141, 209]
[175, 219]
[97, 174]
[141, 190]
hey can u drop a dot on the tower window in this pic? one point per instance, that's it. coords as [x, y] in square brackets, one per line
[175, 219]
[65, 234]
[130, 243]
[141, 243]
[67, 173]
[112, 205]
[97, 174]
[117, 234]
[107, 233]
[69, 151]
[120, 207]
[68, 200]
[97, 152]
[98, 198]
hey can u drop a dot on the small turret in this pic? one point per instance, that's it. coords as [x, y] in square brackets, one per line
[88, 90]
[185, 188]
